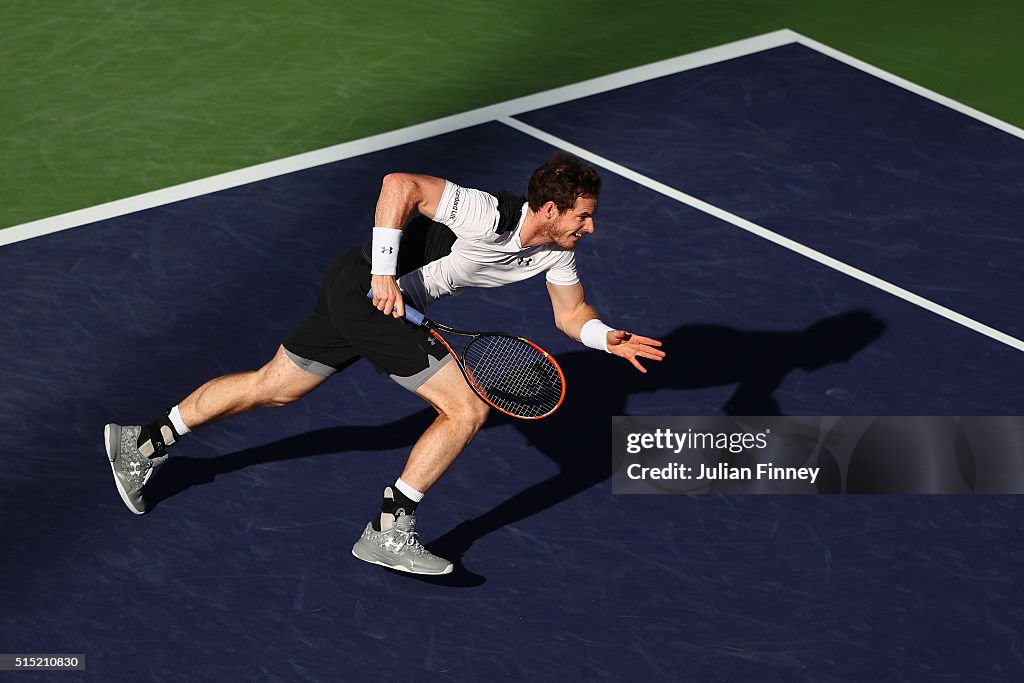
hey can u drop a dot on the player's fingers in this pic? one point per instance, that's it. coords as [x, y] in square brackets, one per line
[386, 294]
[636, 364]
[388, 301]
[646, 340]
[637, 342]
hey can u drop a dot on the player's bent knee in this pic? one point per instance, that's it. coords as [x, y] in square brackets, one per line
[480, 413]
[473, 413]
[465, 409]
[272, 395]
[281, 382]
[449, 394]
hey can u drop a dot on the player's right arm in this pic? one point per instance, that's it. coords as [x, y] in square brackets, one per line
[573, 314]
[400, 195]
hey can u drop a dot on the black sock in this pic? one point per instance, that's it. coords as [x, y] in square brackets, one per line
[394, 505]
[157, 436]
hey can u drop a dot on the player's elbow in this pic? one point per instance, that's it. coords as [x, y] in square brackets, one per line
[570, 320]
[560, 323]
[567, 325]
[404, 190]
[397, 184]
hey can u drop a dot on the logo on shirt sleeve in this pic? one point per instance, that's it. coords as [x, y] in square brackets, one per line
[455, 204]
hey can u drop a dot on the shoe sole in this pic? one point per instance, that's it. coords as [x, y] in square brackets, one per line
[112, 437]
[447, 570]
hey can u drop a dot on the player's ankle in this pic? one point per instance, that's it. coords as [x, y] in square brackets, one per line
[396, 503]
[157, 436]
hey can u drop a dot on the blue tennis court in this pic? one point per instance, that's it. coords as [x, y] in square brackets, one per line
[243, 569]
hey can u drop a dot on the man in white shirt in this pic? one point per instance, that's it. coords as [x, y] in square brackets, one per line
[474, 239]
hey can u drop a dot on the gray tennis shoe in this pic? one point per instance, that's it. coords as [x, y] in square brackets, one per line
[399, 548]
[131, 468]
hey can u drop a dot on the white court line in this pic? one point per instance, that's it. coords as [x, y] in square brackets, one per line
[764, 233]
[394, 138]
[907, 85]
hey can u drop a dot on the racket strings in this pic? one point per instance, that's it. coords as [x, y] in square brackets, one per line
[514, 375]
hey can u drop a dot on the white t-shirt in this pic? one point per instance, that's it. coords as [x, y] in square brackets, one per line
[481, 257]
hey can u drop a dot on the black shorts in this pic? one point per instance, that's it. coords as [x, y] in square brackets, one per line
[345, 327]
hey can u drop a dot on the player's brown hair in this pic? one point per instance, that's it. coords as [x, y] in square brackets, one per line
[562, 179]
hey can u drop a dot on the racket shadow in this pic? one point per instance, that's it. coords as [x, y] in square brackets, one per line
[699, 356]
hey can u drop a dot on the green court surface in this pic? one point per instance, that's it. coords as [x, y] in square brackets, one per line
[106, 99]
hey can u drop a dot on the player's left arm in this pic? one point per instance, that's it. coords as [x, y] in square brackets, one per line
[580, 321]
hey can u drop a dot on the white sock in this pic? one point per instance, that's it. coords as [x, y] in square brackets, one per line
[179, 425]
[408, 491]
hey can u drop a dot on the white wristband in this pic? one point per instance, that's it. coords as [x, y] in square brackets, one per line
[595, 334]
[384, 260]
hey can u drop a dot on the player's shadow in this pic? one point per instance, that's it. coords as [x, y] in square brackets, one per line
[699, 356]
[180, 473]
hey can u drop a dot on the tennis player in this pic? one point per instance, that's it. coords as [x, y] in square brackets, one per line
[464, 238]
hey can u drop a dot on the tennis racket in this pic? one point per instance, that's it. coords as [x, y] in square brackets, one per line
[509, 373]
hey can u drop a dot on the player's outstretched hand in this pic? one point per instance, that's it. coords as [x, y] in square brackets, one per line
[387, 297]
[633, 346]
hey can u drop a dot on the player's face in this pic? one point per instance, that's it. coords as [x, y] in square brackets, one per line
[569, 227]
